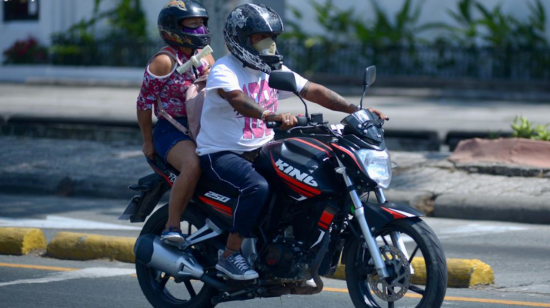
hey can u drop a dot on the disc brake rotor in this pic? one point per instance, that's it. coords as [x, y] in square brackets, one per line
[393, 288]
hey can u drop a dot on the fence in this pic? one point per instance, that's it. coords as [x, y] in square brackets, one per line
[448, 62]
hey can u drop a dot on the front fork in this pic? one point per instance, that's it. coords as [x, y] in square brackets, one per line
[360, 216]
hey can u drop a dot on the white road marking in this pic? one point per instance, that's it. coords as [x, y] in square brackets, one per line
[58, 222]
[480, 228]
[468, 230]
[95, 272]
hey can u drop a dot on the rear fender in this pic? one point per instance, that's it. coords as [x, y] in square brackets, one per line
[151, 188]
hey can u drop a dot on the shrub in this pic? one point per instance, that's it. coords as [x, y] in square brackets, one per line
[523, 128]
[27, 51]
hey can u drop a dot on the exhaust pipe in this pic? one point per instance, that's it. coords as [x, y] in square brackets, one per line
[150, 251]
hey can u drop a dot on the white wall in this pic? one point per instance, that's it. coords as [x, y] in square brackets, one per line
[432, 10]
[59, 15]
[54, 16]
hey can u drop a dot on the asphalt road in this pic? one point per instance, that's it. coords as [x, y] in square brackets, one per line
[518, 254]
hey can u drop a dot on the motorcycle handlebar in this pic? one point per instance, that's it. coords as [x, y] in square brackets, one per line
[302, 121]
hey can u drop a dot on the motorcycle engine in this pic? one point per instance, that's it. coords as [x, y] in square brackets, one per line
[283, 259]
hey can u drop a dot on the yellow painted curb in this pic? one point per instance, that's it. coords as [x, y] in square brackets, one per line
[463, 273]
[21, 241]
[79, 246]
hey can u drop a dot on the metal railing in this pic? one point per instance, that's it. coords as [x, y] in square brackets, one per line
[449, 62]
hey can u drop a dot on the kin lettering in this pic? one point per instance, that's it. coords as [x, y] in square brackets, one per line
[295, 173]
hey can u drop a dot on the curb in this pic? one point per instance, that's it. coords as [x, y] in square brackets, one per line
[80, 246]
[522, 209]
[21, 241]
[67, 185]
[462, 273]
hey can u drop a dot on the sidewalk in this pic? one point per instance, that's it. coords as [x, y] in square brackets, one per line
[427, 181]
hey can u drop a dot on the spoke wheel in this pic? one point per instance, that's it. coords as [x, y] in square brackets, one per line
[416, 279]
[161, 289]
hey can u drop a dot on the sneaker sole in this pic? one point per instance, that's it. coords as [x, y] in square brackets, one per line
[236, 277]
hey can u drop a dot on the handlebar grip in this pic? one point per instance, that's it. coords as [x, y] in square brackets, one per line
[302, 121]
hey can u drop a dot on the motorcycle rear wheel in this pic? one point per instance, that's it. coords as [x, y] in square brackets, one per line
[430, 268]
[159, 288]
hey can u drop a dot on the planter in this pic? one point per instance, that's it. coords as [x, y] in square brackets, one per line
[512, 151]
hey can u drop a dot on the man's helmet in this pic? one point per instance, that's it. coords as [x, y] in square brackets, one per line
[170, 28]
[246, 20]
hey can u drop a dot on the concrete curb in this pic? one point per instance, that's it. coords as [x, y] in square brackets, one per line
[67, 185]
[462, 273]
[502, 208]
[80, 246]
[21, 241]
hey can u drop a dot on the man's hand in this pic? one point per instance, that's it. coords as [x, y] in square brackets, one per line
[148, 149]
[379, 114]
[288, 120]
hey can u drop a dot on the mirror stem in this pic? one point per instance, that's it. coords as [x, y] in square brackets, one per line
[305, 105]
[365, 88]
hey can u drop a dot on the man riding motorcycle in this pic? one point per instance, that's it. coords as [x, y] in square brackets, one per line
[238, 103]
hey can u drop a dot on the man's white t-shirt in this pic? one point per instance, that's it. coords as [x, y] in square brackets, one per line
[225, 129]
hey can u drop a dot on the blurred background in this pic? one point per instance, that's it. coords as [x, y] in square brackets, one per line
[456, 43]
[447, 70]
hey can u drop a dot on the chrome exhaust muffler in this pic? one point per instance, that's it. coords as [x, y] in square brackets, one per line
[150, 251]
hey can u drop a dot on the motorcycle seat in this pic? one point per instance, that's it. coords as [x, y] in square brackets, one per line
[169, 174]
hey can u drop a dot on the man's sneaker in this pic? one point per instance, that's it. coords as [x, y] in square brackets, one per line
[173, 235]
[236, 267]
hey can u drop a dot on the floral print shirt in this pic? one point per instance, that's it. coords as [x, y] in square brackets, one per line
[171, 89]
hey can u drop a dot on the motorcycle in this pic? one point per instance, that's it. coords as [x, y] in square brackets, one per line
[319, 214]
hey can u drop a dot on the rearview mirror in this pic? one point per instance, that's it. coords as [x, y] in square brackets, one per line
[284, 81]
[370, 76]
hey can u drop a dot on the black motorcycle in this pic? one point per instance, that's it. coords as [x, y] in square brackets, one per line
[318, 215]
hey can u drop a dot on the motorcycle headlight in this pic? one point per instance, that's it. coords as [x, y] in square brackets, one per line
[378, 164]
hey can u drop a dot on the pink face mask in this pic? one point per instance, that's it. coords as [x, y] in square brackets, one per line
[198, 30]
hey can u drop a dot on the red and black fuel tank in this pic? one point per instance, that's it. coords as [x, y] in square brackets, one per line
[302, 167]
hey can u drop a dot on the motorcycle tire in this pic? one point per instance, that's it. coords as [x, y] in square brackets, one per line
[159, 288]
[421, 244]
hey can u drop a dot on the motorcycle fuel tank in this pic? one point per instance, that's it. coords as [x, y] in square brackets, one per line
[302, 167]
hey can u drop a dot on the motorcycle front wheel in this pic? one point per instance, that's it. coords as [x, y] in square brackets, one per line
[160, 289]
[418, 273]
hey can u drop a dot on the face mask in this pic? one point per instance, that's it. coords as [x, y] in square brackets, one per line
[197, 30]
[266, 47]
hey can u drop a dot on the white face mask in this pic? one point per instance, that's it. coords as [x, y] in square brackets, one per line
[266, 47]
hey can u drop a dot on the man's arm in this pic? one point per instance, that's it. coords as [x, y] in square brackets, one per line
[327, 98]
[249, 108]
[330, 99]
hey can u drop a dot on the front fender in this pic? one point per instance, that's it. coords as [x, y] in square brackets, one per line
[380, 214]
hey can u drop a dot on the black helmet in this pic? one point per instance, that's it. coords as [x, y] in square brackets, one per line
[169, 24]
[246, 20]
